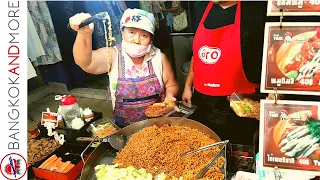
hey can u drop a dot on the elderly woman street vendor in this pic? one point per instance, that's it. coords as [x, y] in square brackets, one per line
[140, 74]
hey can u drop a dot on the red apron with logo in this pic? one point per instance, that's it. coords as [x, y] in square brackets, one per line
[217, 59]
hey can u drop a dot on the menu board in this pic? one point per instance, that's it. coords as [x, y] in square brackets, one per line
[290, 136]
[291, 58]
[294, 7]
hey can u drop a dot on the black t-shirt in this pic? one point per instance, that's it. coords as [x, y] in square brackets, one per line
[253, 17]
[168, 4]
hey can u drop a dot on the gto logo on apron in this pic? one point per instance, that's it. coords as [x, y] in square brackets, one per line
[209, 55]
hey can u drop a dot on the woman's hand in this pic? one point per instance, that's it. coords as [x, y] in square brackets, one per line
[76, 20]
[187, 95]
[170, 99]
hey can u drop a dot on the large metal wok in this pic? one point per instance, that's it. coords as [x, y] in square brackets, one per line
[104, 153]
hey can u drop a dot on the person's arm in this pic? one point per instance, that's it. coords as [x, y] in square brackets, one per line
[187, 93]
[94, 62]
[189, 81]
[252, 38]
[170, 84]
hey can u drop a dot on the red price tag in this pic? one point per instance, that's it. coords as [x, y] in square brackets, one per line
[49, 117]
[304, 162]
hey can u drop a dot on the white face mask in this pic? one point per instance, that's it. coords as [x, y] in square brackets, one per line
[135, 50]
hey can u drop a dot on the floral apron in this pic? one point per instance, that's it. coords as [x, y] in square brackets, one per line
[135, 95]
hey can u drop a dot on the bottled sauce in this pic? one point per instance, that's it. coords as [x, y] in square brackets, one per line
[69, 110]
[77, 123]
[60, 121]
[88, 114]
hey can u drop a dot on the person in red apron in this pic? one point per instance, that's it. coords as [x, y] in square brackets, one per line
[139, 73]
[219, 51]
[216, 71]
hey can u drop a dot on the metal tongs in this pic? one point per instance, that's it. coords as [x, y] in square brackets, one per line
[185, 110]
[212, 161]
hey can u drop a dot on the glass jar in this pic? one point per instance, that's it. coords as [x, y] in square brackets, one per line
[69, 110]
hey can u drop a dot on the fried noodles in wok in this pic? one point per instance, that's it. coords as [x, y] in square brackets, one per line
[158, 148]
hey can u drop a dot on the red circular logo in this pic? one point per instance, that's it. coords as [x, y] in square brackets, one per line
[209, 55]
[13, 166]
[127, 19]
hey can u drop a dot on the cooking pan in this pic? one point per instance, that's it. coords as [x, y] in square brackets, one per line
[104, 153]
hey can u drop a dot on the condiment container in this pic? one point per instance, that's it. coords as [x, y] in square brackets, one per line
[103, 128]
[74, 173]
[246, 105]
[69, 110]
[88, 114]
[77, 123]
[59, 118]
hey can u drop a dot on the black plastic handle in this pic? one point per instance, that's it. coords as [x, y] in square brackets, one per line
[87, 21]
[87, 139]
